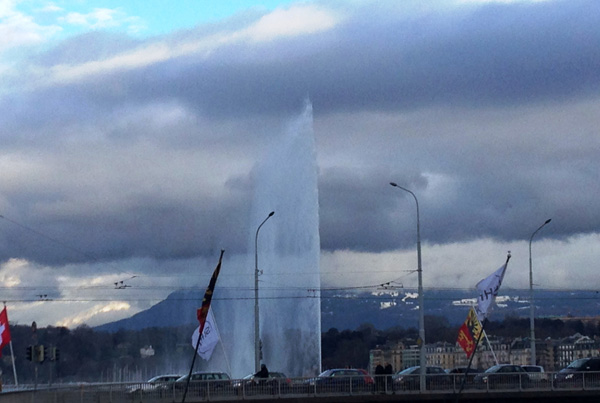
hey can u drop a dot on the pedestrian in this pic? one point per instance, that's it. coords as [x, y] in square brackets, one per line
[379, 379]
[389, 371]
[263, 373]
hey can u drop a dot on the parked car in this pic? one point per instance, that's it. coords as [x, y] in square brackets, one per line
[503, 376]
[342, 380]
[368, 378]
[203, 382]
[536, 373]
[584, 371]
[205, 376]
[462, 370]
[410, 379]
[458, 375]
[159, 381]
[277, 382]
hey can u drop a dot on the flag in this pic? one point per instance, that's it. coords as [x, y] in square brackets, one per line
[210, 337]
[469, 333]
[202, 313]
[4, 330]
[488, 290]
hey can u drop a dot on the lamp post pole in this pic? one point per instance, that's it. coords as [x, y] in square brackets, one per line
[256, 317]
[531, 304]
[422, 360]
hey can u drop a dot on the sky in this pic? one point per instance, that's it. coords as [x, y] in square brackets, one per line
[130, 132]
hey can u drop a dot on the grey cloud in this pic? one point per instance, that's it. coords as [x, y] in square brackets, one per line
[359, 210]
[492, 54]
[87, 47]
[495, 173]
[495, 54]
[147, 227]
[497, 100]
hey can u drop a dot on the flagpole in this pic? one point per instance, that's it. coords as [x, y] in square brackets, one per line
[492, 350]
[12, 354]
[187, 384]
[207, 295]
[214, 321]
[485, 320]
[462, 384]
[221, 342]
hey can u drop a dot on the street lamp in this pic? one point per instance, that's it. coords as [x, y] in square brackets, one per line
[422, 361]
[531, 305]
[256, 317]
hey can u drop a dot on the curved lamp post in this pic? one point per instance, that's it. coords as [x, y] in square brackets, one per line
[531, 304]
[422, 360]
[256, 317]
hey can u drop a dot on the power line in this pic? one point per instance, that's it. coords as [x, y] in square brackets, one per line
[595, 296]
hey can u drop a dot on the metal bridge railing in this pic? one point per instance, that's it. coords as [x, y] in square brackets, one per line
[297, 387]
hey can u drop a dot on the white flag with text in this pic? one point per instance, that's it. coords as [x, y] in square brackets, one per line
[488, 290]
[210, 337]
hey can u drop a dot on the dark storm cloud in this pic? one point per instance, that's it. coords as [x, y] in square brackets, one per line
[146, 227]
[494, 173]
[361, 211]
[469, 69]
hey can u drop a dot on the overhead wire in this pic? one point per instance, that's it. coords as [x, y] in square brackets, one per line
[127, 288]
[378, 297]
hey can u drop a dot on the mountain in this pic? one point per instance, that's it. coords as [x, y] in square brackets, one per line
[179, 308]
[384, 308]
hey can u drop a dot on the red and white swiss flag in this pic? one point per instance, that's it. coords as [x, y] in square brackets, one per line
[4, 330]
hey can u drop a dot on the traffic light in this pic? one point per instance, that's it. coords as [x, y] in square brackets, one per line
[29, 353]
[46, 353]
[39, 353]
[54, 354]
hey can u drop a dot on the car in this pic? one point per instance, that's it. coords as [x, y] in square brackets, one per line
[163, 379]
[536, 373]
[579, 373]
[503, 376]
[159, 381]
[205, 376]
[342, 380]
[368, 378]
[410, 379]
[204, 382]
[458, 375]
[462, 370]
[276, 383]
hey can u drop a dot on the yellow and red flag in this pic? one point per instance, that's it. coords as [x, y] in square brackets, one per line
[469, 333]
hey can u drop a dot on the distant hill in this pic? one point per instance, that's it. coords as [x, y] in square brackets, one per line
[178, 309]
[385, 308]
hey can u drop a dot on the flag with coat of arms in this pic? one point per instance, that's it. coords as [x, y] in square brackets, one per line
[469, 333]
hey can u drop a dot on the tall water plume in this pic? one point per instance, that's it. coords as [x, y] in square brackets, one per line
[288, 261]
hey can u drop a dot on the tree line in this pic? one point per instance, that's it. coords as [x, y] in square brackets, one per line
[95, 356]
